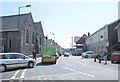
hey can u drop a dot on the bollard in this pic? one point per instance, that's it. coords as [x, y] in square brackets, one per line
[95, 59]
[99, 59]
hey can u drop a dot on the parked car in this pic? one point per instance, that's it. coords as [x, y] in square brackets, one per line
[66, 54]
[15, 60]
[115, 57]
[88, 54]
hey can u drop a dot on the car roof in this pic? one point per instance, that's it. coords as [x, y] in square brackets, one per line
[89, 51]
[10, 53]
[116, 51]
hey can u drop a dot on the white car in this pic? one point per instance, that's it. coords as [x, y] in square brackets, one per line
[15, 60]
[66, 54]
[88, 54]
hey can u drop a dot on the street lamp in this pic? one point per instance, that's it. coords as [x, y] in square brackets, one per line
[47, 37]
[19, 20]
[19, 13]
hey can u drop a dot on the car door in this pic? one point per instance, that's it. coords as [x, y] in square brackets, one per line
[90, 54]
[22, 60]
[11, 60]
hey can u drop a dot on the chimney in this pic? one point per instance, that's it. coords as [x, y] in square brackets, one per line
[88, 34]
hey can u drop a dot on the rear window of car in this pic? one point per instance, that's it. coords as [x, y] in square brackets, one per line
[116, 53]
[3, 56]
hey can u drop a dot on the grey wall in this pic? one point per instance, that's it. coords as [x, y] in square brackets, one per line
[15, 42]
[27, 48]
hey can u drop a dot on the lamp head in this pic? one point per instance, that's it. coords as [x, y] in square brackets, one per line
[28, 6]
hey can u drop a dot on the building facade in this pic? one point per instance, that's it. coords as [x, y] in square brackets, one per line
[39, 37]
[105, 37]
[19, 34]
[118, 28]
[82, 42]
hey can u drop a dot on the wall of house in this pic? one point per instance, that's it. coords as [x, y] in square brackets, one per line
[39, 37]
[1, 46]
[98, 41]
[10, 41]
[113, 36]
[27, 48]
[119, 34]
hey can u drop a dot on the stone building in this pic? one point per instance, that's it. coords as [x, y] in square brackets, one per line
[39, 37]
[19, 33]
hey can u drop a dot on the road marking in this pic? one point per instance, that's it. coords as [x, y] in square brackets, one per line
[13, 77]
[51, 75]
[23, 73]
[79, 72]
[93, 67]
[50, 78]
[38, 78]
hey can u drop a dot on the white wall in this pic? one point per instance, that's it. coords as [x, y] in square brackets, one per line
[97, 36]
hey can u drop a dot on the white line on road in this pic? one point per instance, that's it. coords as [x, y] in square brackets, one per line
[23, 73]
[79, 72]
[13, 77]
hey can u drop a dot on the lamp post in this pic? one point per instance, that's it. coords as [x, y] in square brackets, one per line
[19, 21]
[19, 17]
[19, 13]
[47, 37]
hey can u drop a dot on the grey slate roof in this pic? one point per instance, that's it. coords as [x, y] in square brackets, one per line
[10, 23]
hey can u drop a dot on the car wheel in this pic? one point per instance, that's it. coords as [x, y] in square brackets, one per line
[54, 62]
[112, 61]
[2, 68]
[86, 56]
[30, 65]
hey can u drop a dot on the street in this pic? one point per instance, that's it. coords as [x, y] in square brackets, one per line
[67, 68]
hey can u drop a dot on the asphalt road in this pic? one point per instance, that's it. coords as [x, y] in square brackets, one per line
[67, 68]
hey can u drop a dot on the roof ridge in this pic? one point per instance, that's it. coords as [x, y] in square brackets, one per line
[15, 15]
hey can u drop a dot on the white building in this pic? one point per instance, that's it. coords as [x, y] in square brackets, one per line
[98, 40]
[105, 37]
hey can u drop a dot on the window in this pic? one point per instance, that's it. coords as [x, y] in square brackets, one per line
[27, 37]
[4, 57]
[40, 39]
[10, 56]
[9, 43]
[33, 38]
[21, 56]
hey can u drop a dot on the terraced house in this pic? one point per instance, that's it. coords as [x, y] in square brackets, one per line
[20, 34]
[106, 37]
[118, 32]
